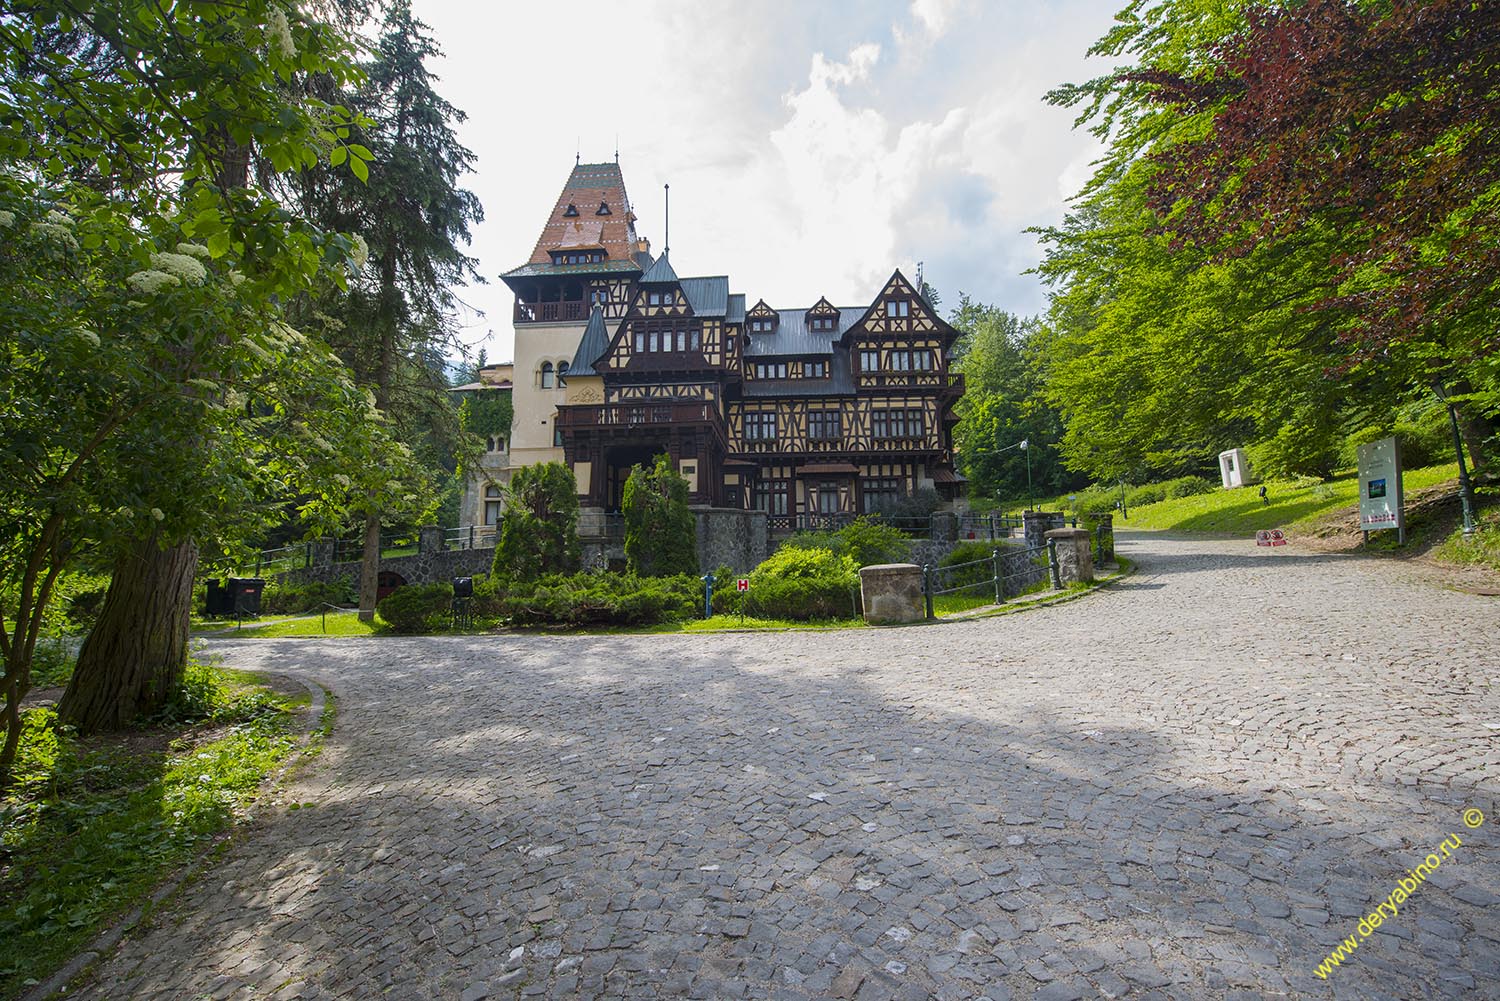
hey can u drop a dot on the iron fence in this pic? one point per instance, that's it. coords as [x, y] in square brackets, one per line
[1006, 572]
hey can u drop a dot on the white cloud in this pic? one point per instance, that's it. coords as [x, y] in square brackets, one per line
[931, 21]
[797, 171]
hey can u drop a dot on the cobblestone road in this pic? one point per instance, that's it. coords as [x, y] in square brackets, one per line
[1192, 785]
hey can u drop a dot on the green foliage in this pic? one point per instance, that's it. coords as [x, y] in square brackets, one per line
[1003, 405]
[291, 598]
[806, 584]
[1421, 427]
[970, 552]
[661, 534]
[867, 541]
[1262, 259]
[89, 828]
[539, 529]
[1155, 493]
[602, 599]
[140, 263]
[417, 608]
[487, 413]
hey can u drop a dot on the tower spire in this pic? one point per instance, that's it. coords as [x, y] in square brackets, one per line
[666, 235]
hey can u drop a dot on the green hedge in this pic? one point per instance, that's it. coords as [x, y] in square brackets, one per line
[417, 608]
[612, 599]
[806, 584]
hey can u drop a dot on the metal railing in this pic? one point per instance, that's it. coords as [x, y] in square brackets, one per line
[1005, 572]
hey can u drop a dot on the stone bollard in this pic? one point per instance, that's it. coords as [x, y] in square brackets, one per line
[892, 593]
[325, 552]
[1035, 525]
[429, 539]
[1074, 561]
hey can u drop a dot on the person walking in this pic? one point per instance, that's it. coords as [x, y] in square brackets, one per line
[1263, 499]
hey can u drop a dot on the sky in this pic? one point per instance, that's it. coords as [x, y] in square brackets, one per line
[812, 147]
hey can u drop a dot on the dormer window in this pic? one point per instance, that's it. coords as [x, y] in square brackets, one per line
[661, 298]
[572, 211]
[761, 319]
[603, 209]
[821, 324]
[577, 256]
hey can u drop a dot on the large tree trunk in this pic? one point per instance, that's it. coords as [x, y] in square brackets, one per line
[133, 659]
[369, 570]
[1476, 429]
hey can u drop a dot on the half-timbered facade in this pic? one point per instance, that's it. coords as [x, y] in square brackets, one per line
[802, 412]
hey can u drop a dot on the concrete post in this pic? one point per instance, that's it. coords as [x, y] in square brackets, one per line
[892, 593]
[429, 539]
[1074, 561]
[1035, 525]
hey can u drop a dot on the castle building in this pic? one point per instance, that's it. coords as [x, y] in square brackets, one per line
[807, 412]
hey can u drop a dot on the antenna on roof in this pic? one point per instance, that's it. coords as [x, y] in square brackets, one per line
[666, 236]
[617, 147]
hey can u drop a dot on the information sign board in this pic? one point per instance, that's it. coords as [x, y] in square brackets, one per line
[1380, 492]
[743, 584]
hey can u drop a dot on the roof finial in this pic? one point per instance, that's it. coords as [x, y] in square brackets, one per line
[617, 148]
[666, 235]
[578, 154]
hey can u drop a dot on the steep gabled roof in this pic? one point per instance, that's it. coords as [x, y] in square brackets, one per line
[659, 273]
[593, 345]
[589, 185]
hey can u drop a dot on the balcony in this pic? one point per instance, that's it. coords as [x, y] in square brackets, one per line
[635, 414]
[566, 311]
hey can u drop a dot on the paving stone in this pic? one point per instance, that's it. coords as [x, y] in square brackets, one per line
[1193, 783]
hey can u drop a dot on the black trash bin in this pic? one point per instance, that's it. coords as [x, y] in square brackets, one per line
[463, 587]
[220, 600]
[246, 592]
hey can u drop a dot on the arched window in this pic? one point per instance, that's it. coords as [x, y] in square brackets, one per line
[546, 375]
[492, 505]
[562, 373]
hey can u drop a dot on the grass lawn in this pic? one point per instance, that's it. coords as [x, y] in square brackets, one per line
[334, 624]
[1240, 512]
[91, 826]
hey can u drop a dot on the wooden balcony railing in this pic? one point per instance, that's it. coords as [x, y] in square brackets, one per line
[551, 312]
[633, 414]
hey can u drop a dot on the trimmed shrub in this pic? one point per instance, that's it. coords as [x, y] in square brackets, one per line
[867, 541]
[602, 599]
[806, 584]
[417, 608]
[1189, 486]
[661, 535]
[539, 529]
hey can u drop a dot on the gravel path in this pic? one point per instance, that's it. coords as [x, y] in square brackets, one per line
[1191, 785]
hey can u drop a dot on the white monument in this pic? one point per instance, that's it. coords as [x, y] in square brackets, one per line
[1233, 468]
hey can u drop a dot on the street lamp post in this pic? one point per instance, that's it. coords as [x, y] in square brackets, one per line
[1030, 494]
[1465, 488]
[1024, 445]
